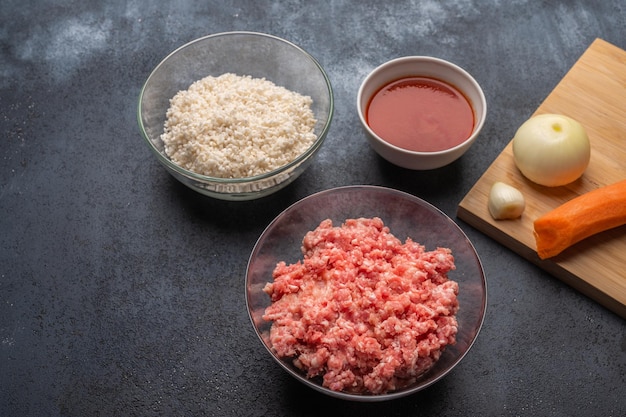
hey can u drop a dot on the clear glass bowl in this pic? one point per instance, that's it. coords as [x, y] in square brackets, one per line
[406, 216]
[243, 53]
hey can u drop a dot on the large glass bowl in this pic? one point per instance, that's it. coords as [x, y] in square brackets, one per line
[406, 216]
[243, 53]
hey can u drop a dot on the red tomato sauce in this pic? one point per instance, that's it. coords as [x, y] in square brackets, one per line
[420, 114]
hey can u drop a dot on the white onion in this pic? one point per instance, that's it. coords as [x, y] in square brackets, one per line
[551, 149]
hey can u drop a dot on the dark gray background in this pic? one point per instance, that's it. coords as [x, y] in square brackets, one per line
[121, 291]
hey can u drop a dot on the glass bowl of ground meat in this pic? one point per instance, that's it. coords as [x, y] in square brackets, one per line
[365, 293]
[236, 115]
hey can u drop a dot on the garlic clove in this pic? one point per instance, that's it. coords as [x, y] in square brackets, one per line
[505, 201]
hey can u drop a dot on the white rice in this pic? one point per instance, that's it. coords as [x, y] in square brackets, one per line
[234, 126]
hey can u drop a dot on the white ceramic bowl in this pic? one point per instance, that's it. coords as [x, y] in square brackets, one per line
[425, 66]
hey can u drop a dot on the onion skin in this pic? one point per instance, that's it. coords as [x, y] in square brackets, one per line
[551, 149]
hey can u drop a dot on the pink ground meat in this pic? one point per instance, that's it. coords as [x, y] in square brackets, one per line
[362, 310]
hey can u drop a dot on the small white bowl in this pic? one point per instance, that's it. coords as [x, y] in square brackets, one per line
[412, 66]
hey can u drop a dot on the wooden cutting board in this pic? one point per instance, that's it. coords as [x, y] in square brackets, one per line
[594, 93]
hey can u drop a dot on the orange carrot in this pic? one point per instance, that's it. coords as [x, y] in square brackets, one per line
[590, 213]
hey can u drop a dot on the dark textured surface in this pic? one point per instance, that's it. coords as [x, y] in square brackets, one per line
[121, 291]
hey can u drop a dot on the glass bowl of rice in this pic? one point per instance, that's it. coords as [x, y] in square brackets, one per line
[365, 293]
[236, 115]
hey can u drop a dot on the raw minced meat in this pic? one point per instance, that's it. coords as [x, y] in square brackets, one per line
[362, 310]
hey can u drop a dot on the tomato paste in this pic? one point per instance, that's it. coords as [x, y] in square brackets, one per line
[421, 114]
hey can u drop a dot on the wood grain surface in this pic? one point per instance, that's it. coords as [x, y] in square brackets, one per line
[594, 93]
